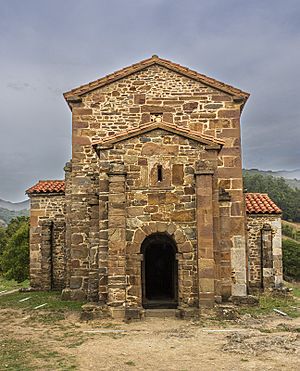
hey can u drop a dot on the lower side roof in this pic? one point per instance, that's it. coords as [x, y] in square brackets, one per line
[256, 203]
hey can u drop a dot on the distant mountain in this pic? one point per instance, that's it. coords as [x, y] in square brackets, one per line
[10, 210]
[14, 206]
[7, 215]
[291, 177]
[289, 174]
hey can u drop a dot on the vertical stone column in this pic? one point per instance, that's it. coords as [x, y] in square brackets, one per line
[46, 255]
[267, 274]
[58, 255]
[103, 235]
[117, 281]
[205, 237]
[93, 281]
[68, 234]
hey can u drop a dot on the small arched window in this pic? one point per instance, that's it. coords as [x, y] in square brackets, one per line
[159, 173]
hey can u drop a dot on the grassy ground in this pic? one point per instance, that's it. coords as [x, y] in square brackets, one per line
[34, 299]
[28, 355]
[44, 338]
[11, 284]
[26, 352]
[287, 303]
[292, 224]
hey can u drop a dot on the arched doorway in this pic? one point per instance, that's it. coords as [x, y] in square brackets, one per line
[159, 272]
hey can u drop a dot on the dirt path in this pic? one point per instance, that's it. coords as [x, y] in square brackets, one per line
[152, 344]
[170, 344]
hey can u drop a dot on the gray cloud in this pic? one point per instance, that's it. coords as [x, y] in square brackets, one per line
[47, 48]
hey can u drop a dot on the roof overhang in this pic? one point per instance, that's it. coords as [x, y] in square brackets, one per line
[74, 95]
[209, 141]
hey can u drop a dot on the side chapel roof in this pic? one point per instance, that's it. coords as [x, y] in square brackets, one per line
[47, 186]
[256, 203]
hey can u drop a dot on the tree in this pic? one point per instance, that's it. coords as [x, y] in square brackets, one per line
[287, 198]
[14, 260]
[3, 242]
[291, 259]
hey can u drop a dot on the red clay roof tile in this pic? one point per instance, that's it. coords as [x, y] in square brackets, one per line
[256, 203]
[47, 186]
[260, 203]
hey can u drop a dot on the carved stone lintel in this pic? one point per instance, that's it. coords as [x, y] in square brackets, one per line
[204, 172]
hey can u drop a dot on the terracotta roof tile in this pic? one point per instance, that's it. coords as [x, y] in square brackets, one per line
[47, 186]
[83, 89]
[260, 203]
[256, 203]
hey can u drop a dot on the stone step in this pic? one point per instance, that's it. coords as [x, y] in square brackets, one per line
[160, 313]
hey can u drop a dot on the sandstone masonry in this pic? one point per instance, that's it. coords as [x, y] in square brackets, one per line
[152, 211]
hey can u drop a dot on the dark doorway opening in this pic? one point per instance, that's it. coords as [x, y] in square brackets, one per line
[159, 272]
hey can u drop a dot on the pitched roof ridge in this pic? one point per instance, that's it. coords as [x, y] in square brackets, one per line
[193, 72]
[109, 76]
[123, 72]
[51, 180]
[158, 125]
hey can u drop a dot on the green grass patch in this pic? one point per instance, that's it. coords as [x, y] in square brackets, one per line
[14, 355]
[12, 284]
[268, 302]
[36, 298]
[296, 292]
[295, 286]
[26, 355]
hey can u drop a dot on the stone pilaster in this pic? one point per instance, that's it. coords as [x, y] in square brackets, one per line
[68, 198]
[58, 255]
[46, 255]
[117, 281]
[267, 275]
[205, 237]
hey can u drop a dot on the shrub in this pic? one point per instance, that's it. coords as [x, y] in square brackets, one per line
[291, 259]
[14, 260]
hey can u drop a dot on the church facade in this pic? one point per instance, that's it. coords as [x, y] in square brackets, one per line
[152, 211]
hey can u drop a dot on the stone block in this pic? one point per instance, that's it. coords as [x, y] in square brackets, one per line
[183, 216]
[75, 282]
[177, 174]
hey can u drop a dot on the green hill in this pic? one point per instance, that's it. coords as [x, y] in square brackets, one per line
[285, 196]
[292, 182]
[7, 215]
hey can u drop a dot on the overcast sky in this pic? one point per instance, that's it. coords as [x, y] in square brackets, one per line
[48, 47]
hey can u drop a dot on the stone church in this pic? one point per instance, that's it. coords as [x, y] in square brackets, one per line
[152, 211]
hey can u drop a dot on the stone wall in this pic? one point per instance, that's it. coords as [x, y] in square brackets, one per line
[152, 205]
[47, 241]
[155, 93]
[264, 251]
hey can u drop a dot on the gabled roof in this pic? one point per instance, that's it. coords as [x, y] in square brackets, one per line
[83, 89]
[260, 203]
[171, 128]
[47, 186]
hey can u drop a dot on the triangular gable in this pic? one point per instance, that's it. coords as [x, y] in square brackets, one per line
[208, 140]
[74, 94]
